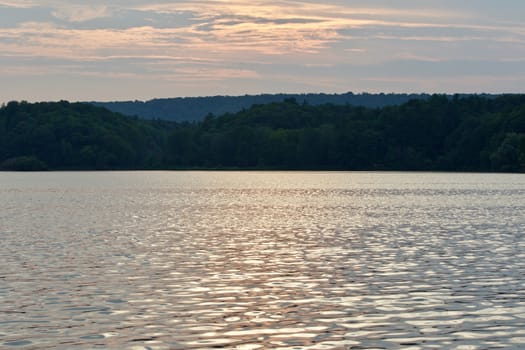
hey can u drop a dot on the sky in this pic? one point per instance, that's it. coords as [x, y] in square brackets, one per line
[142, 49]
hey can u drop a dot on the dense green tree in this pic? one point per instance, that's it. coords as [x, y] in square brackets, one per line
[467, 133]
[66, 135]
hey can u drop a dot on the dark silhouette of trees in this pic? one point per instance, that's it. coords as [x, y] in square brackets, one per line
[78, 136]
[454, 133]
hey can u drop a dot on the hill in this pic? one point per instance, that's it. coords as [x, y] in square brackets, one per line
[63, 135]
[196, 108]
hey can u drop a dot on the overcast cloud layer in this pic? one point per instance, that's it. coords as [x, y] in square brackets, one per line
[138, 49]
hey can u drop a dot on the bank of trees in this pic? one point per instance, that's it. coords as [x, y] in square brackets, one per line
[440, 133]
[64, 135]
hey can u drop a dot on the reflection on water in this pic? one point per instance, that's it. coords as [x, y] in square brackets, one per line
[262, 261]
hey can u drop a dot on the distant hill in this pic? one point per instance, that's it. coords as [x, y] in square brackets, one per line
[196, 108]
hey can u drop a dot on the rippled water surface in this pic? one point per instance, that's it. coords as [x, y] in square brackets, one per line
[254, 260]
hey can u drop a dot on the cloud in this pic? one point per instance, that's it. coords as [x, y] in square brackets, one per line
[253, 29]
[295, 44]
[16, 3]
[80, 13]
[232, 29]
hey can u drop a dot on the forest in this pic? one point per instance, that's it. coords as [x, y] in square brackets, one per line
[440, 133]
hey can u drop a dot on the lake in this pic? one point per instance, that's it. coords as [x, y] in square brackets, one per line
[262, 260]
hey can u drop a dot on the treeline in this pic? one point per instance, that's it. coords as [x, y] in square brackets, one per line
[196, 108]
[63, 135]
[473, 133]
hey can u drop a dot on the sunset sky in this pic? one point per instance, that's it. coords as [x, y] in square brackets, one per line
[138, 49]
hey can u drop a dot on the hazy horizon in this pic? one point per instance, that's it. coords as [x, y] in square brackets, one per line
[139, 50]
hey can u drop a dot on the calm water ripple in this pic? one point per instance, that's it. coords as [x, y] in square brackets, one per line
[207, 260]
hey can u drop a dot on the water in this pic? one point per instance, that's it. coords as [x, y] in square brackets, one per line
[254, 260]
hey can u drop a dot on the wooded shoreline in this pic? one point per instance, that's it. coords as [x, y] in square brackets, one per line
[462, 133]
